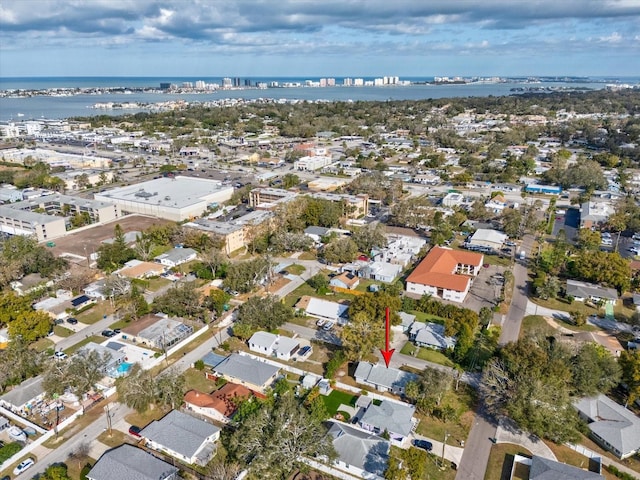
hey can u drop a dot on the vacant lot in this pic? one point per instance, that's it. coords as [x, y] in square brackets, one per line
[87, 241]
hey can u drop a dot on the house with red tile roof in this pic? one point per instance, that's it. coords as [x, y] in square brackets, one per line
[445, 273]
[219, 405]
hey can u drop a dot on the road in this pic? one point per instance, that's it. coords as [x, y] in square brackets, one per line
[61, 454]
[478, 447]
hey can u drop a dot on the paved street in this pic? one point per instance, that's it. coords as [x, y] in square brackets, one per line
[476, 453]
[61, 454]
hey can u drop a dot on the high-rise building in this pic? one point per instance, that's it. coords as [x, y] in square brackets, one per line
[200, 85]
[347, 82]
[226, 82]
[331, 82]
[358, 82]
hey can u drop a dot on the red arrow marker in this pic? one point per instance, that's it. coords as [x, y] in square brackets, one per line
[386, 353]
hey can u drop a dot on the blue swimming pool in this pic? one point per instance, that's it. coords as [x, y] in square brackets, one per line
[124, 367]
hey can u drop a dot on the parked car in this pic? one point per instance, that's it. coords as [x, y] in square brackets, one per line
[135, 430]
[510, 243]
[423, 444]
[328, 326]
[108, 333]
[304, 350]
[72, 321]
[24, 465]
[635, 250]
[320, 322]
[60, 356]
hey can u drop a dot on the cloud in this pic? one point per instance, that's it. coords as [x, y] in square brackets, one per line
[199, 19]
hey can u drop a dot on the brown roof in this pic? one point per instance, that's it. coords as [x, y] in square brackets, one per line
[347, 278]
[144, 268]
[198, 399]
[438, 267]
[143, 322]
[225, 400]
[635, 265]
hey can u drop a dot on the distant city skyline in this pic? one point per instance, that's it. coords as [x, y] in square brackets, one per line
[296, 38]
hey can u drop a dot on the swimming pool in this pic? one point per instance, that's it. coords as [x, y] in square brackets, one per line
[124, 367]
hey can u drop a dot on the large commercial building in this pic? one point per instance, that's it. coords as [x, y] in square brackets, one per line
[49, 217]
[178, 198]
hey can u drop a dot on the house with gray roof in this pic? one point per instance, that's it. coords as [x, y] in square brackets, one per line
[176, 256]
[127, 462]
[612, 426]
[360, 453]
[393, 417]
[247, 371]
[582, 291]
[406, 320]
[23, 397]
[325, 309]
[430, 335]
[544, 469]
[383, 379]
[182, 436]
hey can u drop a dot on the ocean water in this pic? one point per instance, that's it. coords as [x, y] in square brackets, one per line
[25, 108]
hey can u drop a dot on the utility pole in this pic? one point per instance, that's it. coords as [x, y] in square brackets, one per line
[446, 435]
[106, 408]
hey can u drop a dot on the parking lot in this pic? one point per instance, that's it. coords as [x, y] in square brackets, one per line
[87, 241]
[486, 288]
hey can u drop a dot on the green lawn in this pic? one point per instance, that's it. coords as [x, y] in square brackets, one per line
[463, 401]
[501, 460]
[96, 314]
[61, 331]
[560, 304]
[307, 256]
[153, 284]
[305, 289]
[427, 317]
[337, 398]
[42, 344]
[74, 348]
[295, 269]
[195, 380]
[533, 324]
[426, 354]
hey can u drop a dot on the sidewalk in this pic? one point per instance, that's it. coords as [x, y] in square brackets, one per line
[508, 433]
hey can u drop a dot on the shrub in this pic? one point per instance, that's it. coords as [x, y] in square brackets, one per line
[9, 450]
[199, 365]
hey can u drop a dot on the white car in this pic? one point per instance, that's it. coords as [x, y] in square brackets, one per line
[635, 250]
[320, 322]
[28, 463]
[60, 356]
[328, 326]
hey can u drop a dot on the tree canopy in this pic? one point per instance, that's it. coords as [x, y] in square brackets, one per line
[272, 439]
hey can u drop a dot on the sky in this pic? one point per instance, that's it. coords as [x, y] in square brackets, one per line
[280, 38]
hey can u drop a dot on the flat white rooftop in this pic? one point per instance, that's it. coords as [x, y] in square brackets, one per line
[176, 192]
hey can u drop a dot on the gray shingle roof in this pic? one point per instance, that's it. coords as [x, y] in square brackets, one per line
[612, 422]
[361, 449]
[27, 390]
[246, 369]
[545, 469]
[587, 290]
[127, 462]
[391, 416]
[179, 432]
[380, 375]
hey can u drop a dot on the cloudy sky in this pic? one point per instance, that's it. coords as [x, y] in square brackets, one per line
[213, 38]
